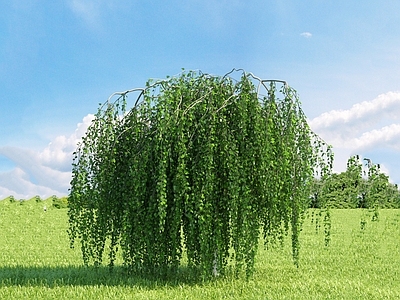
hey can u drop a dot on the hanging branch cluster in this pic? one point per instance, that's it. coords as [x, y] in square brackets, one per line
[199, 167]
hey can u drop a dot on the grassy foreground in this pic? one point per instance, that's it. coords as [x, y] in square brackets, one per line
[37, 263]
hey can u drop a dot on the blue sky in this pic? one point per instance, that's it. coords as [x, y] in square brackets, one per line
[60, 59]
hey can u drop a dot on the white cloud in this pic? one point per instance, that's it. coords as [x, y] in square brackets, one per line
[361, 114]
[58, 154]
[88, 10]
[18, 184]
[387, 136]
[43, 173]
[367, 127]
[94, 12]
[306, 34]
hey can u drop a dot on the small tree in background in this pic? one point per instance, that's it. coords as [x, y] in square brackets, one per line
[357, 187]
[379, 191]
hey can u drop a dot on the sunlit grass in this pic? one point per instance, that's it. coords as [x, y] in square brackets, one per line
[37, 263]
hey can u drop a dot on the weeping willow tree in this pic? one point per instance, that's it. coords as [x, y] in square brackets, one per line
[199, 167]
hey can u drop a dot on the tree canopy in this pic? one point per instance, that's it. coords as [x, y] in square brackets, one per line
[357, 187]
[196, 169]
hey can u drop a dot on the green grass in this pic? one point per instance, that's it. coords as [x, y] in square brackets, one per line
[37, 263]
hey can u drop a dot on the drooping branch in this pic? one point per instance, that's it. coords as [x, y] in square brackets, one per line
[207, 159]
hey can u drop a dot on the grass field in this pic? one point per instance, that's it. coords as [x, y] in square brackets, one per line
[37, 263]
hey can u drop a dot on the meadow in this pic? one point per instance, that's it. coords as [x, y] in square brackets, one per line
[362, 261]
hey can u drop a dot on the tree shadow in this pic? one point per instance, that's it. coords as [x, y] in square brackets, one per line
[92, 276]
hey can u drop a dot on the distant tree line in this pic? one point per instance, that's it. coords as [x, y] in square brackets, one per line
[57, 202]
[358, 187]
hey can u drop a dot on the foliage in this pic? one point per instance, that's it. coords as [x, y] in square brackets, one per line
[36, 263]
[59, 202]
[378, 191]
[194, 170]
[355, 188]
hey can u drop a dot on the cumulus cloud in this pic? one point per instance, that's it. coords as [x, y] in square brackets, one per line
[306, 34]
[88, 10]
[387, 136]
[57, 155]
[43, 173]
[367, 127]
[18, 183]
[94, 12]
[361, 114]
